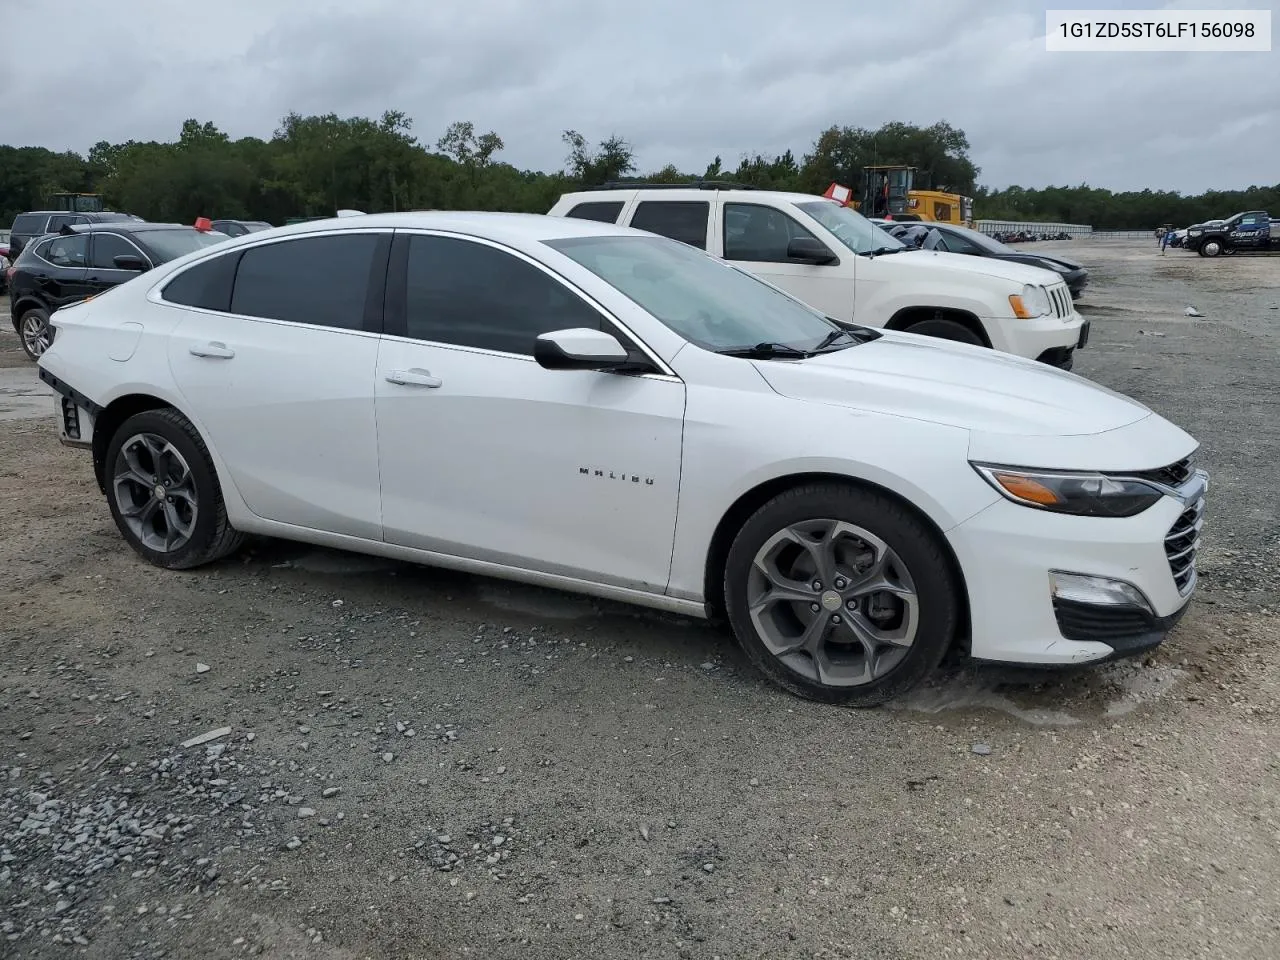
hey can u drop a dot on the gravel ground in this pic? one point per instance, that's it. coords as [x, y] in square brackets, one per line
[423, 764]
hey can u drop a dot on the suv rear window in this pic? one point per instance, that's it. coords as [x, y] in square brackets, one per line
[683, 220]
[605, 211]
[32, 223]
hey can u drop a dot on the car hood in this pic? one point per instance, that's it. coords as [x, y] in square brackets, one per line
[974, 388]
[985, 266]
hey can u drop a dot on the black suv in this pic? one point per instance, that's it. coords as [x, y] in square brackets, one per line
[36, 223]
[238, 228]
[84, 261]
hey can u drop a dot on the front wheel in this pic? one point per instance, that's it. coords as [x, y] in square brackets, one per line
[840, 594]
[163, 492]
[1211, 248]
[35, 332]
[945, 329]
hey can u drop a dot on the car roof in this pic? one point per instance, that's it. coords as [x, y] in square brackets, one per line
[693, 191]
[511, 227]
[127, 226]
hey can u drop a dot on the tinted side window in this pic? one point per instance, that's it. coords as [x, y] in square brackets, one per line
[683, 220]
[604, 211]
[32, 223]
[68, 251]
[206, 285]
[58, 221]
[759, 234]
[958, 244]
[317, 280]
[473, 295]
[108, 246]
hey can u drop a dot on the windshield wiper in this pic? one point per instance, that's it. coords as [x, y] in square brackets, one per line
[879, 250]
[766, 351]
[856, 335]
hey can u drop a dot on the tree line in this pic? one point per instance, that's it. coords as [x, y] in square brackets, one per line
[315, 165]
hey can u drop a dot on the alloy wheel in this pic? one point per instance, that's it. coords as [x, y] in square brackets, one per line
[37, 335]
[833, 602]
[155, 492]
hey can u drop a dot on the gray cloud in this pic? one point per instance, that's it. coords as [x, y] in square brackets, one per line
[683, 81]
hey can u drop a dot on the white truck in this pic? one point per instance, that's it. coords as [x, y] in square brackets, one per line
[838, 262]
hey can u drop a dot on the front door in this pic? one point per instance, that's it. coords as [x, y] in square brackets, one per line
[755, 237]
[103, 274]
[487, 455]
[282, 383]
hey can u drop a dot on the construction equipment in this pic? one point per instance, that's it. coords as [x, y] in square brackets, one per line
[888, 192]
[76, 202]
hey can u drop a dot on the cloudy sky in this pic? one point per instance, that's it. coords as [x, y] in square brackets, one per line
[682, 80]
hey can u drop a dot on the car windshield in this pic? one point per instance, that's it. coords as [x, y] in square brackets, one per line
[253, 226]
[852, 229]
[172, 244]
[705, 300]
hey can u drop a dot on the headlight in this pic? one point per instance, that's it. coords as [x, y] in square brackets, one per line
[1082, 494]
[1194, 233]
[1031, 303]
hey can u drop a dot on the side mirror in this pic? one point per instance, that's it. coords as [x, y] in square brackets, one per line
[579, 349]
[127, 261]
[809, 250]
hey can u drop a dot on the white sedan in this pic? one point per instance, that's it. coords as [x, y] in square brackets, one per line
[598, 409]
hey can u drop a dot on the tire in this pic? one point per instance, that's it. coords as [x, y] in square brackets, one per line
[34, 332]
[854, 665]
[1211, 248]
[159, 451]
[946, 330]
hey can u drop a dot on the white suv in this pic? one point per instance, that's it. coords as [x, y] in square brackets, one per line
[840, 263]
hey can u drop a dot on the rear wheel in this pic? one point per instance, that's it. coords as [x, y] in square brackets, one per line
[840, 594]
[945, 329]
[35, 332]
[163, 492]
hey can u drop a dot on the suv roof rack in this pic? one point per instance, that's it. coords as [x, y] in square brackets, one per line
[691, 185]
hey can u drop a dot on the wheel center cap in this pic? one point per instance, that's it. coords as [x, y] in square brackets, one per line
[831, 600]
[159, 491]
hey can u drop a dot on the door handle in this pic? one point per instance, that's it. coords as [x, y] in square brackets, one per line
[214, 350]
[417, 377]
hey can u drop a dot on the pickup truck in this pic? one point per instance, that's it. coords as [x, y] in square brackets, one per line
[830, 257]
[1253, 230]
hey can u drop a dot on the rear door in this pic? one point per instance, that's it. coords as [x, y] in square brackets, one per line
[103, 274]
[278, 367]
[686, 220]
[59, 272]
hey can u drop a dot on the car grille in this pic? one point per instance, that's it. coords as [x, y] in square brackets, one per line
[1181, 544]
[1174, 475]
[1060, 297]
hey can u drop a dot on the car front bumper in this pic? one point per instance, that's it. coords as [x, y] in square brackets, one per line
[1008, 551]
[1037, 338]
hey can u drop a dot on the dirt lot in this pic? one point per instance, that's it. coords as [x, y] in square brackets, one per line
[424, 765]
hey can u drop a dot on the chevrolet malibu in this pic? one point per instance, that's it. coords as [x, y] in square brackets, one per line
[593, 408]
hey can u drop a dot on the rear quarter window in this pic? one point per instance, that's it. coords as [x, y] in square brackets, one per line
[603, 211]
[29, 223]
[207, 284]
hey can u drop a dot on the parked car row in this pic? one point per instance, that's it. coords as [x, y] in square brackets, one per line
[1026, 236]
